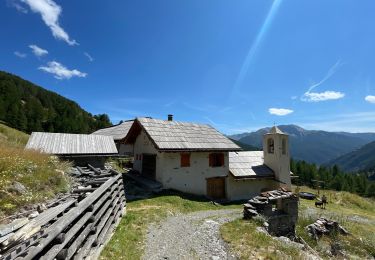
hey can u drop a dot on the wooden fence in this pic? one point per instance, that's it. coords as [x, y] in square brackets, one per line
[74, 227]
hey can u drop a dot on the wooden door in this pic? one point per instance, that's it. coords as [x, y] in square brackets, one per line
[216, 188]
[149, 165]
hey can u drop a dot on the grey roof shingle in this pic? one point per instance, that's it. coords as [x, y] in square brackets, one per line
[56, 143]
[248, 165]
[118, 132]
[173, 135]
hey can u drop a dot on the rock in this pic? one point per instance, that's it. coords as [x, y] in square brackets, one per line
[18, 188]
[33, 214]
[41, 207]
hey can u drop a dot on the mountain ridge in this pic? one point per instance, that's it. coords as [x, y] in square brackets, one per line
[315, 146]
[361, 159]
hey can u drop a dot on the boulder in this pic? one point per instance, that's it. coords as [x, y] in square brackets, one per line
[17, 187]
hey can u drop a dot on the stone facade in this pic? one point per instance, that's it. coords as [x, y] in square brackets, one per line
[278, 207]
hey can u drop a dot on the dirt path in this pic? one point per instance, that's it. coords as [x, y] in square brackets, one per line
[191, 236]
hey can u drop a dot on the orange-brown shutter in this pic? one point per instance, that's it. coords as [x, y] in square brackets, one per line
[185, 160]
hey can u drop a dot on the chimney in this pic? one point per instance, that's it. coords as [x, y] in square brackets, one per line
[170, 117]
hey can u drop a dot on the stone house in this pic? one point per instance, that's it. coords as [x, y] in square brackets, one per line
[197, 159]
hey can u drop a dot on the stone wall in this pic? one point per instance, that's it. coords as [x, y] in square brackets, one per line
[278, 207]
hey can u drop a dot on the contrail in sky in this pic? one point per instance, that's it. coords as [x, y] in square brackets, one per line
[254, 47]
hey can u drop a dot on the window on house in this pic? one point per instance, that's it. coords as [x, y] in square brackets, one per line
[185, 159]
[283, 145]
[216, 159]
[270, 145]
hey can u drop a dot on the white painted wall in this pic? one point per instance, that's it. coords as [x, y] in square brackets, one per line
[246, 189]
[190, 179]
[170, 173]
[125, 149]
[277, 161]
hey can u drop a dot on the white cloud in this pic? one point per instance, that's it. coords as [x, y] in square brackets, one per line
[61, 72]
[20, 54]
[91, 59]
[370, 99]
[16, 5]
[50, 12]
[322, 96]
[38, 51]
[280, 111]
[310, 96]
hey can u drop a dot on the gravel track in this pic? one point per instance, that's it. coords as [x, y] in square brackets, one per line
[190, 236]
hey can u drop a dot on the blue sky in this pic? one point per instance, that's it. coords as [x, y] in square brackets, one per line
[237, 65]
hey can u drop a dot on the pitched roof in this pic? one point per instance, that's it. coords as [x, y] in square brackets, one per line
[276, 130]
[181, 136]
[118, 132]
[64, 144]
[249, 165]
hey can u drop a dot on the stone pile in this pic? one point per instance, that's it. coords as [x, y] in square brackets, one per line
[278, 207]
[323, 226]
[73, 226]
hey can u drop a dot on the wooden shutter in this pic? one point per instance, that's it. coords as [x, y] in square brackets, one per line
[185, 159]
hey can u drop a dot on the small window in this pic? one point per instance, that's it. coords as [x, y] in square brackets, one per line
[185, 160]
[216, 159]
[270, 145]
[283, 145]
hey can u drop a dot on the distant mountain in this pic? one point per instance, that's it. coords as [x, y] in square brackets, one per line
[245, 147]
[314, 146]
[29, 108]
[361, 159]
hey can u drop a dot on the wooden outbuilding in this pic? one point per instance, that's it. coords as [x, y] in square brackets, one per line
[79, 148]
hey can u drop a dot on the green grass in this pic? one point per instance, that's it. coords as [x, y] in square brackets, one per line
[42, 175]
[248, 243]
[128, 240]
[12, 137]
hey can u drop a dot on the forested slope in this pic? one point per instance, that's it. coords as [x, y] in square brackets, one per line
[28, 108]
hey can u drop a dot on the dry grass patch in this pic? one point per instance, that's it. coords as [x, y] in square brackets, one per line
[41, 175]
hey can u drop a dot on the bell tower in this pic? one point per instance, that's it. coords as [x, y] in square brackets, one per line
[276, 155]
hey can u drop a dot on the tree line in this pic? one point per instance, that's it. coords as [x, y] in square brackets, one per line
[333, 178]
[30, 108]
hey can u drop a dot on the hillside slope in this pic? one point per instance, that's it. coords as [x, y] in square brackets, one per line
[361, 159]
[26, 177]
[313, 145]
[28, 107]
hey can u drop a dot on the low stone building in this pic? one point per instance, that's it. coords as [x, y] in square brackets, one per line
[79, 148]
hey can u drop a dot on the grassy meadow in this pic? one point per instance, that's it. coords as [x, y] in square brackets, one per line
[355, 213]
[42, 175]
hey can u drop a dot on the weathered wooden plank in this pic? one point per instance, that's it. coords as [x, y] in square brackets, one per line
[70, 216]
[77, 226]
[87, 245]
[83, 190]
[83, 235]
[9, 228]
[109, 223]
[35, 225]
[94, 169]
